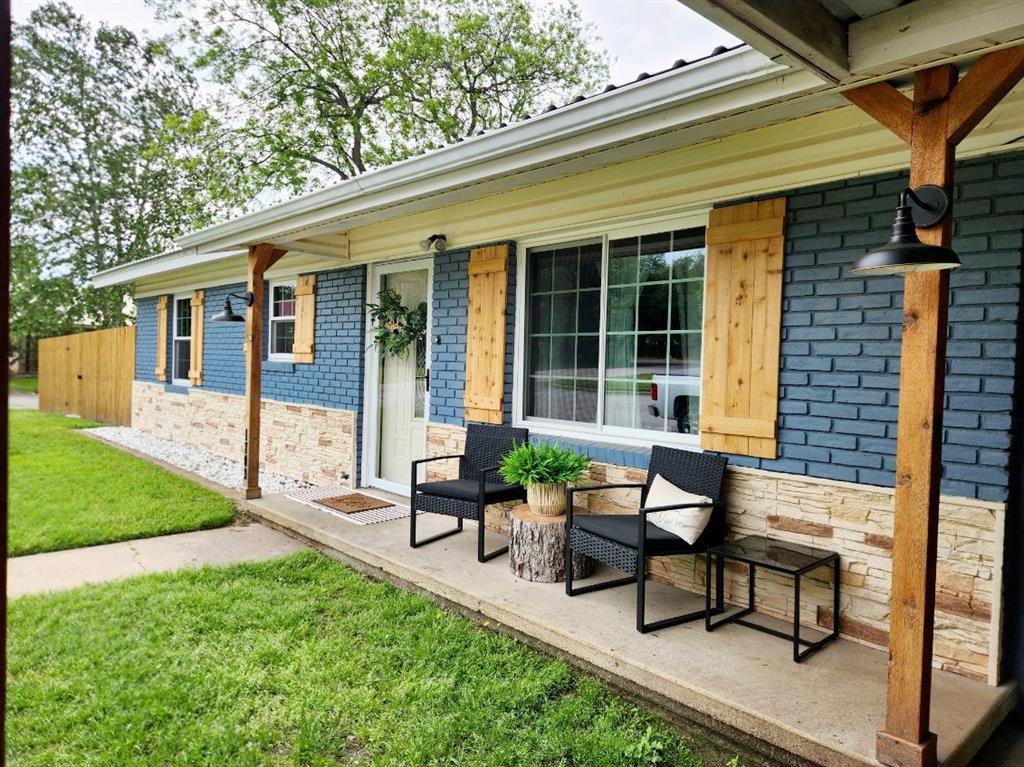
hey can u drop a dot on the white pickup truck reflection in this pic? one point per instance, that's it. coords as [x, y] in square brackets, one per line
[670, 397]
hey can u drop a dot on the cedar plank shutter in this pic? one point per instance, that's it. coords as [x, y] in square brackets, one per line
[305, 319]
[195, 362]
[485, 334]
[742, 328]
[161, 339]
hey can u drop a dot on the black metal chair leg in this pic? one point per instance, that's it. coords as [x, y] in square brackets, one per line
[412, 527]
[481, 555]
[703, 614]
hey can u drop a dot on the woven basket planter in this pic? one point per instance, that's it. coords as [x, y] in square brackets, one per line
[547, 499]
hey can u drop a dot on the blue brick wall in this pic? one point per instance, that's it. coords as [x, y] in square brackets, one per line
[450, 308]
[334, 380]
[841, 335]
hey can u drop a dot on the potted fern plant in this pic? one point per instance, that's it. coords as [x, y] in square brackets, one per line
[545, 471]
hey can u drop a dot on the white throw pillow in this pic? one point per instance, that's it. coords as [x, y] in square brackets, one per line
[688, 524]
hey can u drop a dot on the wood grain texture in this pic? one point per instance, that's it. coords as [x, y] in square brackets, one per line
[161, 339]
[742, 328]
[919, 442]
[89, 374]
[484, 395]
[261, 257]
[195, 360]
[985, 85]
[536, 548]
[887, 105]
[305, 319]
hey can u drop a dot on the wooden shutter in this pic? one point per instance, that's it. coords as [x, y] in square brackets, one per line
[305, 318]
[161, 339]
[742, 320]
[195, 362]
[485, 334]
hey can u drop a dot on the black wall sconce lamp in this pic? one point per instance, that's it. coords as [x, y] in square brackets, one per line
[228, 315]
[923, 207]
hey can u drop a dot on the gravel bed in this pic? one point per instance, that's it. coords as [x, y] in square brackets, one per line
[213, 467]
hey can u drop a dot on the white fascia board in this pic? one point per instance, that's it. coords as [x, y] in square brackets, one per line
[165, 262]
[460, 164]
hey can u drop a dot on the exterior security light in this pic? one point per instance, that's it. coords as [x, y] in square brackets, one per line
[924, 206]
[436, 242]
[228, 315]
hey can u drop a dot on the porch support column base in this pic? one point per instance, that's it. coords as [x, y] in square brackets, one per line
[897, 752]
[253, 492]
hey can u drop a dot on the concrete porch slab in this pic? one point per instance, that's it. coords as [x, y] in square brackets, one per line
[826, 710]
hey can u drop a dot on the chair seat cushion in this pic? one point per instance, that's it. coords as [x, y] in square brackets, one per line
[622, 528]
[467, 489]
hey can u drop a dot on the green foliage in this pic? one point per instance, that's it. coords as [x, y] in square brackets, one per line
[537, 464]
[23, 383]
[646, 751]
[321, 90]
[397, 328]
[296, 661]
[68, 490]
[112, 158]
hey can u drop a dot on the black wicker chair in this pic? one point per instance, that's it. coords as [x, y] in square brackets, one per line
[478, 485]
[624, 541]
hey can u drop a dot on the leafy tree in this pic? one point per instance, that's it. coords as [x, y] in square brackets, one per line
[111, 159]
[323, 90]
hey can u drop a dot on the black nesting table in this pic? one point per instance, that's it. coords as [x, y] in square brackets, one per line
[793, 559]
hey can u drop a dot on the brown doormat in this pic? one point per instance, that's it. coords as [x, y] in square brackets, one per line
[353, 502]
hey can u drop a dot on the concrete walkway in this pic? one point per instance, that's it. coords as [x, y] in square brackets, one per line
[22, 400]
[59, 570]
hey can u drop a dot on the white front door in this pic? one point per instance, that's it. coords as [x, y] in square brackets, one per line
[402, 394]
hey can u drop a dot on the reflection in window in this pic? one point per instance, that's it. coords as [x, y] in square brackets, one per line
[182, 339]
[563, 343]
[653, 311]
[282, 318]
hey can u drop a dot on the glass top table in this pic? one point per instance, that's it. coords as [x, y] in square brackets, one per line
[794, 559]
[782, 556]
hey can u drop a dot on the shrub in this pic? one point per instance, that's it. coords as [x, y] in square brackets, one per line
[536, 464]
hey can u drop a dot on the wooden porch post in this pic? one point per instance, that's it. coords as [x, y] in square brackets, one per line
[261, 258]
[940, 116]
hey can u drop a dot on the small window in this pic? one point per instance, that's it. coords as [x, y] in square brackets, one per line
[282, 319]
[182, 339]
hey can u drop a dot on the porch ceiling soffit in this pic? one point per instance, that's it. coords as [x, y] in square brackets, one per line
[851, 41]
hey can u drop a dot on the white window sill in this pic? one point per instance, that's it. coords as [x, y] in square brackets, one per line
[549, 429]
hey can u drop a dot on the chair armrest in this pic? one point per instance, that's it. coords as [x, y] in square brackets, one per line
[674, 506]
[418, 461]
[414, 480]
[573, 490]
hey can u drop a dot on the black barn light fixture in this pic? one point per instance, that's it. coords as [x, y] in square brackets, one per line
[228, 315]
[921, 207]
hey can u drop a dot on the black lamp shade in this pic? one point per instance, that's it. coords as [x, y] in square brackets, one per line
[905, 252]
[227, 315]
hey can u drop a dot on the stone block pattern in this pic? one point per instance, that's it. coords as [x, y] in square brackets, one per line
[450, 312]
[304, 442]
[841, 333]
[853, 519]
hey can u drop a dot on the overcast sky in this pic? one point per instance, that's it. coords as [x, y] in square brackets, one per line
[640, 35]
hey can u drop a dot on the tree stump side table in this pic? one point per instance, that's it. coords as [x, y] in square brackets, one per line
[536, 548]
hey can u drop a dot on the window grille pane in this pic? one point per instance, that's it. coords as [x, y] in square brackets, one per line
[283, 301]
[562, 341]
[282, 336]
[183, 317]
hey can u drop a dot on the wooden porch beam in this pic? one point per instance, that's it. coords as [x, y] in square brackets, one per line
[887, 105]
[943, 113]
[261, 258]
[985, 85]
[800, 30]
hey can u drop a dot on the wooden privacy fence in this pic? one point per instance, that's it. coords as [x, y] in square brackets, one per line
[89, 374]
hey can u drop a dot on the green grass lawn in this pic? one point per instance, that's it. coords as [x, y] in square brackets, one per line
[23, 383]
[67, 490]
[300, 661]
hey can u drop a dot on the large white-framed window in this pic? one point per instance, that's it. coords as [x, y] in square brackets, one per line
[182, 341]
[282, 319]
[609, 333]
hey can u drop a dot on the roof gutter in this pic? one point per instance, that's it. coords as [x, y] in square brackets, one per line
[425, 174]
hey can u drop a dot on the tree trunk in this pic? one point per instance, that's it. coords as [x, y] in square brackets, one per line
[536, 548]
